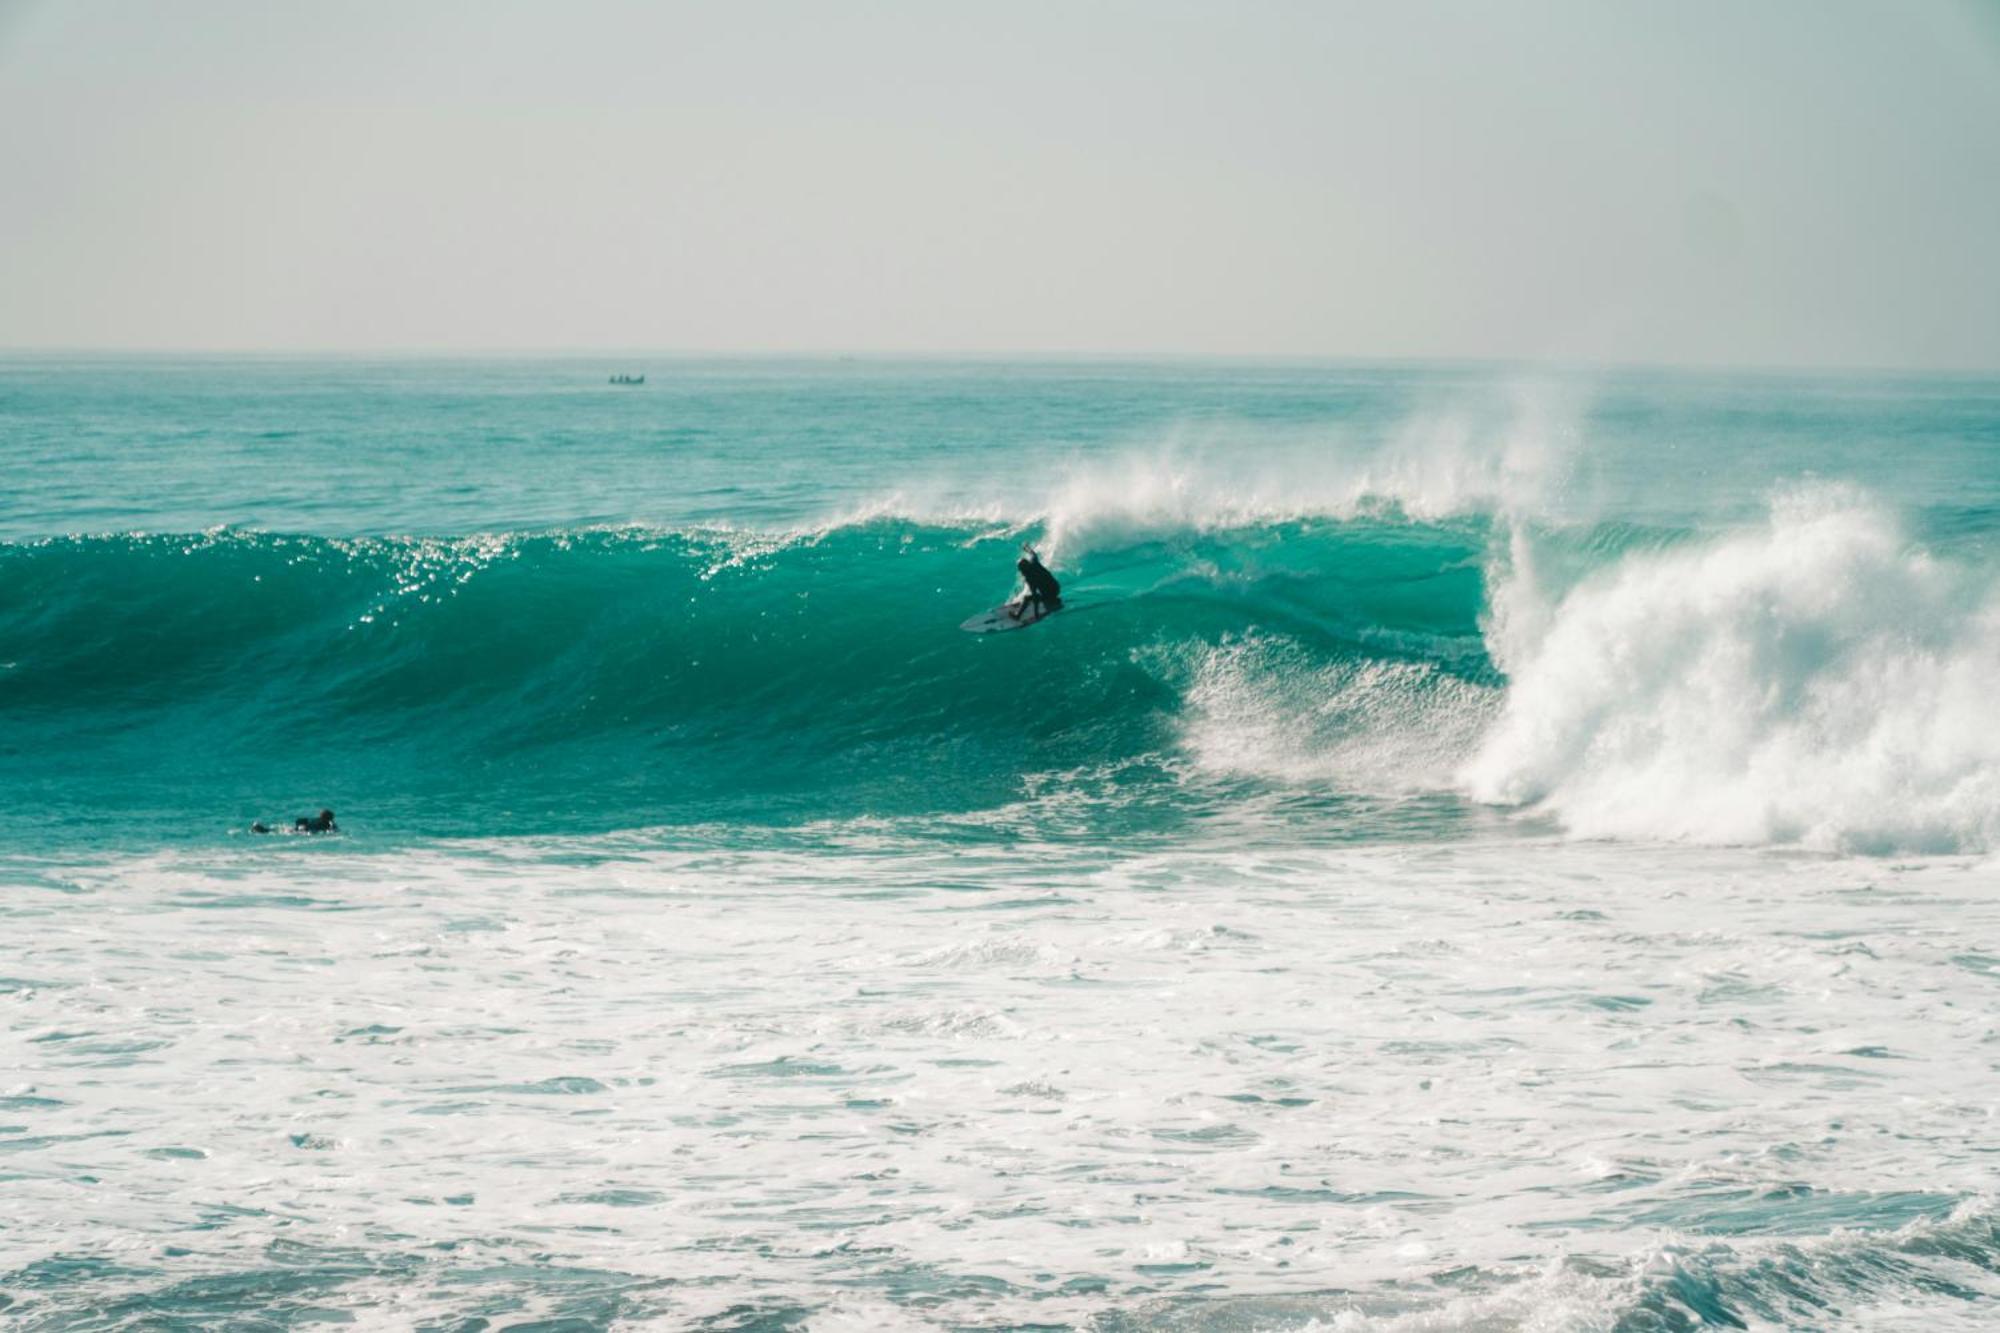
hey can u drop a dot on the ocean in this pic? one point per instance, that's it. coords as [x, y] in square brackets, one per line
[1482, 847]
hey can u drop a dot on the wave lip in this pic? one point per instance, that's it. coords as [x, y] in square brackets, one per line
[1813, 681]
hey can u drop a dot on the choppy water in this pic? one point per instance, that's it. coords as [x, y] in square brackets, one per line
[1481, 850]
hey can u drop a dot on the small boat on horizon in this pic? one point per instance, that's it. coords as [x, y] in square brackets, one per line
[628, 379]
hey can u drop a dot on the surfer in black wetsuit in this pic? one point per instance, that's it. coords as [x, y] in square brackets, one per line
[319, 823]
[1043, 590]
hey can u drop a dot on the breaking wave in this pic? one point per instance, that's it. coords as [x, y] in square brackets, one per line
[1816, 678]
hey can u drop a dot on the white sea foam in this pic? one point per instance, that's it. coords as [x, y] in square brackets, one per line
[603, 1080]
[1259, 705]
[1815, 680]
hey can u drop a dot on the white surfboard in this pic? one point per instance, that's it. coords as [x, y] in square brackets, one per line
[1002, 618]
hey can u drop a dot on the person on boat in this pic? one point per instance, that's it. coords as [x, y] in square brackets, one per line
[319, 823]
[1043, 591]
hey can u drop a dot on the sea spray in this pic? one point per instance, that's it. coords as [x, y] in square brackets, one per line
[1815, 679]
[1512, 454]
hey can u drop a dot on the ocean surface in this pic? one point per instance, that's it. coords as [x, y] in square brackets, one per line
[1482, 848]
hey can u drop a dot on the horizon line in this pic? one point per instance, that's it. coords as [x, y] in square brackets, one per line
[999, 357]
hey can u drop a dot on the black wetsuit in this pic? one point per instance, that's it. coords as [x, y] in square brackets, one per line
[1042, 585]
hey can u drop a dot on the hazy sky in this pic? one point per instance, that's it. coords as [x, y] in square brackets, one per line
[1772, 183]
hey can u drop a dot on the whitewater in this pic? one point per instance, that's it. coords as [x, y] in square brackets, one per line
[1483, 848]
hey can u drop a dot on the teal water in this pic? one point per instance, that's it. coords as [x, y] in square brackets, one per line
[1483, 848]
[462, 598]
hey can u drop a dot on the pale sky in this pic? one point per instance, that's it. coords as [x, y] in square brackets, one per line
[1778, 183]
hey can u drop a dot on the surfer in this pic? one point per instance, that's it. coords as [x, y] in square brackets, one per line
[1043, 590]
[319, 823]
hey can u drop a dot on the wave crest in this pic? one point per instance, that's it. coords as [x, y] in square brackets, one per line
[1815, 680]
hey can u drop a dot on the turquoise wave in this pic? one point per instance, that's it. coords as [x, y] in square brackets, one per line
[565, 680]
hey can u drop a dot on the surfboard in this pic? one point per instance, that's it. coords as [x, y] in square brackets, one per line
[998, 619]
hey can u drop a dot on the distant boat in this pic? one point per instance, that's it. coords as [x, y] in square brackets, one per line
[628, 379]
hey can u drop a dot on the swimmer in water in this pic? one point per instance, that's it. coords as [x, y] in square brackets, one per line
[319, 823]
